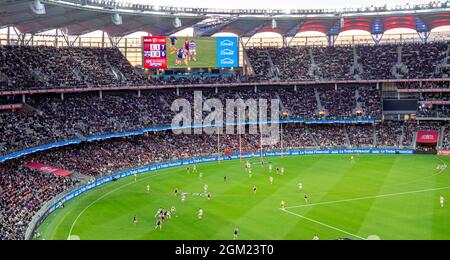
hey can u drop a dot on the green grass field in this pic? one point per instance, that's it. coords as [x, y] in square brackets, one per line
[206, 53]
[377, 196]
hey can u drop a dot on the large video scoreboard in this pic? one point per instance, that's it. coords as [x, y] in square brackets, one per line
[190, 52]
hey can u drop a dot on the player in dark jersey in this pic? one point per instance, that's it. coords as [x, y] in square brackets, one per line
[209, 195]
[225, 178]
[187, 45]
[173, 42]
[254, 189]
[236, 233]
[181, 57]
[159, 224]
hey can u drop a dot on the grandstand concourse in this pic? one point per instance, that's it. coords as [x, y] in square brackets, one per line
[126, 120]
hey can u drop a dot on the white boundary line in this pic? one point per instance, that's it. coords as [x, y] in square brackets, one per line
[349, 200]
[368, 197]
[323, 224]
[104, 196]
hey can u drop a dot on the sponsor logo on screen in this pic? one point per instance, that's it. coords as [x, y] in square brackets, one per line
[227, 61]
[227, 52]
[227, 43]
[427, 137]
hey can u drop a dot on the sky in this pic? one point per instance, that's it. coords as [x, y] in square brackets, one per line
[278, 4]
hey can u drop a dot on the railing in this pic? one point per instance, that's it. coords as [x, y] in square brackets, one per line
[228, 85]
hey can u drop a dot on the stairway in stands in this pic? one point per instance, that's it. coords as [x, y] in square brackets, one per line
[441, 137]
[441, 67]
[314, 70]
[347, 138]
[374, 133]
[316, 144]
[356, 69]
[274, 71]
[399, 70]
[402, 136]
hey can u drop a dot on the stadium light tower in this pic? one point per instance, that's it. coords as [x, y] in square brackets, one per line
[274, 24]
[37, 7]
[342, 22]
[177, 23]
[117, 19]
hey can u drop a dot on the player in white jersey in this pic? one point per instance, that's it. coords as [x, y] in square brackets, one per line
[248, 166]
[270, 168]
[148, 188]
[316, 238]
[271, 180]
[194, 169]
[183, 197]
[442, 200]
[283, 204]
[441, 167]
[282, 170]
[173, 210]
[159, 212]
[205, 188]
[200, 214]
[200, 175]
[300, 186]
[193, 51]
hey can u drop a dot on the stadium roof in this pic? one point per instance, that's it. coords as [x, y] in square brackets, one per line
[77, 17]
[78, 21]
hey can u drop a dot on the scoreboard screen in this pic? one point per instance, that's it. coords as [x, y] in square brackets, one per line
[190, 52]
[155, 52]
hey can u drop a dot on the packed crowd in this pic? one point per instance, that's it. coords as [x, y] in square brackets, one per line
[49, 119]
[411, 128]
[404, 61]
[434, 104]
[43, 67]
[24, 191]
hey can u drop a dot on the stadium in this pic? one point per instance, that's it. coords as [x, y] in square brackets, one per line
[123, 120]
